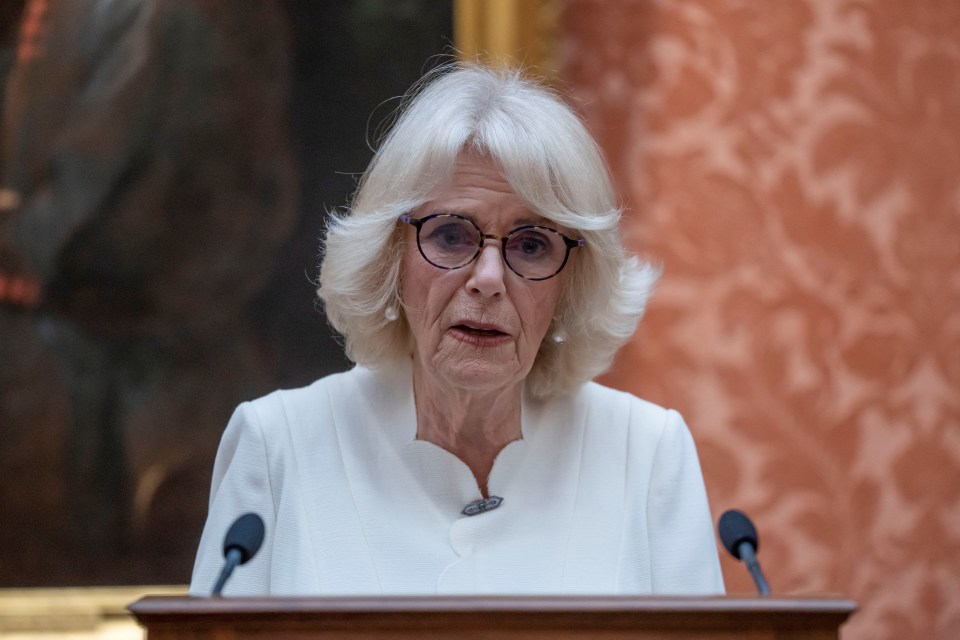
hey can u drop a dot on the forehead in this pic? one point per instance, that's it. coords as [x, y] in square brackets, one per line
[478, 190]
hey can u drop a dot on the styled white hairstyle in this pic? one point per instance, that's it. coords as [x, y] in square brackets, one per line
[551, 161]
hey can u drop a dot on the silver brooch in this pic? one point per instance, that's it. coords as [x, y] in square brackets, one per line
[481, 505]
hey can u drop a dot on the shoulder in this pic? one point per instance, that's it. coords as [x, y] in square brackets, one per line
[289, 406]
[598, 394]
[648, 431]
[266, 436]
[621, 407]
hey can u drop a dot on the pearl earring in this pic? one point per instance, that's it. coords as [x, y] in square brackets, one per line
[391, 313]
[559, 336]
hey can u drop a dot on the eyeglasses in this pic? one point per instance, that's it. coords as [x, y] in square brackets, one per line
[450, 241]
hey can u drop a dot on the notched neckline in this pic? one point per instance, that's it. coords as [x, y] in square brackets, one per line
[429, 460]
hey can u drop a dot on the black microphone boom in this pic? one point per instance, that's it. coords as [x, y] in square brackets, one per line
[739, 537]
[241, 543]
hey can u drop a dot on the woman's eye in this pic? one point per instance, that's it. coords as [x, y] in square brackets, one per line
[529, 244]
[449, 234]
[532, 246]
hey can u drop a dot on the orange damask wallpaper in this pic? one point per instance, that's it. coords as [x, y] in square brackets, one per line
[795, 166]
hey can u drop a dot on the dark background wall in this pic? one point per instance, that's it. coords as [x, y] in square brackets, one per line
[186, 286]
[352, 61]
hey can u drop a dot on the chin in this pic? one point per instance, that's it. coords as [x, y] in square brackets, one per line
[480, 375]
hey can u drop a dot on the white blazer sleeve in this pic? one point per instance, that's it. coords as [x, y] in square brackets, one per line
[241, 484]
[683, 551]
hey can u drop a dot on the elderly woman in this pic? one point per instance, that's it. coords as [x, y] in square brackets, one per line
[479, 282]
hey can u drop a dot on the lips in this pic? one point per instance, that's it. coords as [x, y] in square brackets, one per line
[483, 330]
[480, 333]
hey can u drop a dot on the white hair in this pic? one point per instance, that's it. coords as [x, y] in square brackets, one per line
[551, 161]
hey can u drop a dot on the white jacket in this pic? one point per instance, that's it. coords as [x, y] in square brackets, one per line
[603, 495]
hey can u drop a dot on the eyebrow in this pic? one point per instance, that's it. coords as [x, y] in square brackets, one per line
[538, 221]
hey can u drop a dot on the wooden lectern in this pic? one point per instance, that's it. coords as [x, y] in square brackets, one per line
[476, 618]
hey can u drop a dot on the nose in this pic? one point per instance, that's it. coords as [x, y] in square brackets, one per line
[487, 273]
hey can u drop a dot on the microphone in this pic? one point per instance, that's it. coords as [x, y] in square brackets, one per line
[739, 537]
[241, 543]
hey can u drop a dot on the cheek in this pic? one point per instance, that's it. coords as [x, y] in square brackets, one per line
[538, 308]
[421, 290]
[412, 277]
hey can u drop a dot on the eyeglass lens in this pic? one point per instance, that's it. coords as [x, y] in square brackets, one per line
[449, 241]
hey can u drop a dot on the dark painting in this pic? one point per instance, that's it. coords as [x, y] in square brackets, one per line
[166, 167]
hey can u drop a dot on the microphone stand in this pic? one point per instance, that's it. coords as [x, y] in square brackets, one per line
[749, 558]
[232, 560]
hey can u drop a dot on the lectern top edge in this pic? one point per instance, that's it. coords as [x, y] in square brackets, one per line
[508, 618]
[358, 604]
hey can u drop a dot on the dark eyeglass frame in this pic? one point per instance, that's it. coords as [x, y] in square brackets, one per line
[569, 243]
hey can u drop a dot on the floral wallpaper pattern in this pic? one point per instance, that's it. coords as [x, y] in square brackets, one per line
[795, 167]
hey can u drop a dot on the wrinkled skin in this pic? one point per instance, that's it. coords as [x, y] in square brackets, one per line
[468, 383]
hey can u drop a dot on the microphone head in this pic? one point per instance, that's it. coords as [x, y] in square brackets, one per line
[245, 535]
[735, 528]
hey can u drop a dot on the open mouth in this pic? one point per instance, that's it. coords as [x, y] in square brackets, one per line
[481, 333]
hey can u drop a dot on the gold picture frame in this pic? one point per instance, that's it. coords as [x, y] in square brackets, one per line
[508, 33]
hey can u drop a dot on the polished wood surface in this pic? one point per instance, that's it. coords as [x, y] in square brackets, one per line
[468, 618]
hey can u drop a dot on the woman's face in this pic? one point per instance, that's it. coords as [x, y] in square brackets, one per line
[478, 327]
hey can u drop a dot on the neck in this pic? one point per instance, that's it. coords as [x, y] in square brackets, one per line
[474, 426]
